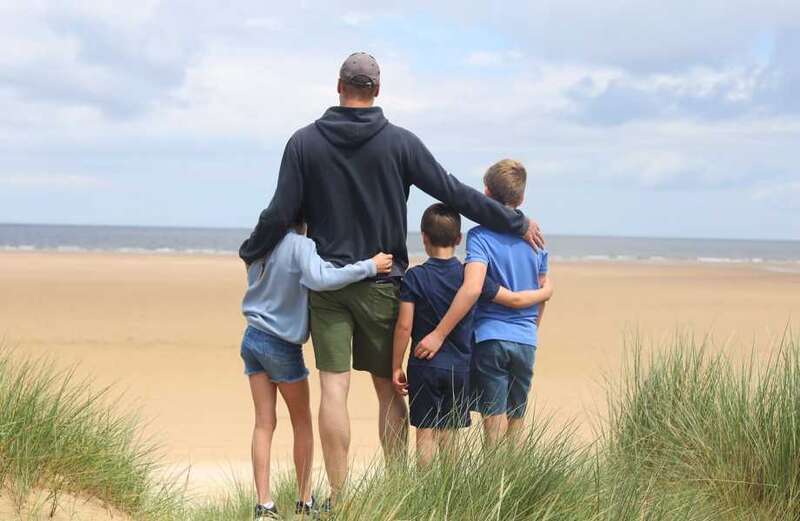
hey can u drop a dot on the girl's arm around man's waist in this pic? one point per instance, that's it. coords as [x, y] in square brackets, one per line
[318, 274]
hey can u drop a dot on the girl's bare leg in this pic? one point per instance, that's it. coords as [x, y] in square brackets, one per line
[298, 402]
[264, 393]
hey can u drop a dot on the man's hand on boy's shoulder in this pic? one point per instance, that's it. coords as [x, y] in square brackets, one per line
[429, 346]
[534, 235]
[400, 382]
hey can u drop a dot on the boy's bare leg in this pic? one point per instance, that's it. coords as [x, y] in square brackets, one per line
[494, 428]
[392, 420]
[445, 440]
[296, 396]
[263, 391]
[515, 431]
[334, 427]
[426, 447]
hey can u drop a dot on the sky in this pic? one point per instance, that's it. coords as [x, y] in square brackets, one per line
[651, 118]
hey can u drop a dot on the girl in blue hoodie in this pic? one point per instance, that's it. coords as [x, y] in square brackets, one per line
[276, 308]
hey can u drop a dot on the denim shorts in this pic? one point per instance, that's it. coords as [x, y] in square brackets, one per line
[438, 398]
[282, 361]
[500, 375]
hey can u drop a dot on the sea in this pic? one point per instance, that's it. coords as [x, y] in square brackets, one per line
[226, 241]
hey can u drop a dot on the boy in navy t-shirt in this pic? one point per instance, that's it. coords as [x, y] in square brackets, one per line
[438, 383]
[505, 339]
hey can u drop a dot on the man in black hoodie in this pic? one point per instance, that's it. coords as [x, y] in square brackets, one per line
[349, 174]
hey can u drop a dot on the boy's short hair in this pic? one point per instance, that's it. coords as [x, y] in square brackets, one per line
[442, 225]
[506, 182]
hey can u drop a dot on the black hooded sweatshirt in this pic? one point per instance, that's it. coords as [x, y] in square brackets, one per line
[348, 175]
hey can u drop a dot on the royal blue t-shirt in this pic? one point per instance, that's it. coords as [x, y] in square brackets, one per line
[432, 286]
[513, 264]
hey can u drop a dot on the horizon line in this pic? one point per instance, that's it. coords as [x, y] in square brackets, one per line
[576, 235]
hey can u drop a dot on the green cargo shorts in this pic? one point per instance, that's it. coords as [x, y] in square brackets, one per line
[357, 320]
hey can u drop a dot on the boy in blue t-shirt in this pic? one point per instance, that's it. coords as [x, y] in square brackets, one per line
[505, 339]
[438, 385]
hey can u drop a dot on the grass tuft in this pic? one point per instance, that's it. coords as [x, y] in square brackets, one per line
[689, 419]
[59, 436]
[472, 483]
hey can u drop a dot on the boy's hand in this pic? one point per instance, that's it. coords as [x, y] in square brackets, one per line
[429, 346]
[383, 262]
[534, 235]
[399, 381]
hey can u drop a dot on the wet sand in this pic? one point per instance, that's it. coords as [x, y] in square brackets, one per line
[165, 330]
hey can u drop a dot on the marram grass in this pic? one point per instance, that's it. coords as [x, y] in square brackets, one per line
[690, 419]
[59, 436]
[690, 434]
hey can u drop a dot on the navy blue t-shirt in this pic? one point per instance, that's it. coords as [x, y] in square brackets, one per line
[432, 286]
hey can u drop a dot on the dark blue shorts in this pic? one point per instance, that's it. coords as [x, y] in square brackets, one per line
[439, 398]
[282, 361]
[501, 376]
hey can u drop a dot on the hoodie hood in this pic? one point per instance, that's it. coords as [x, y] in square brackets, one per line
[351, 127]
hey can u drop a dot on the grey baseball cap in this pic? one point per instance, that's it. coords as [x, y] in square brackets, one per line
[360, 69]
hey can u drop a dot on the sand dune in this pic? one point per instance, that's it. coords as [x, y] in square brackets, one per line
[69, 508]
[166, 330]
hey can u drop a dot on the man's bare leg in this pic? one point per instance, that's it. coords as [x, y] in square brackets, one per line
[263, 391]
[334, 427]
[297, 400]
[494, 428]
[426, 447]
[392, 420]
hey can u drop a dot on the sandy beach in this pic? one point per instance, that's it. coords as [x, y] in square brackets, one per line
[165, 331]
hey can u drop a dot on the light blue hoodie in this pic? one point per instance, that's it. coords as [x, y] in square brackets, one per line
[276, 301]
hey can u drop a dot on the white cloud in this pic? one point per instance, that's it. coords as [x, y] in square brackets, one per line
[493, 58]
[785, 194]
[50, 180]
[109, 11]
[232, 93]
[355, 18]
[264, 22]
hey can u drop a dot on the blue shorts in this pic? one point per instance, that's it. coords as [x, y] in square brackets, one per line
[501, 376]
[439, 398]
[282, 361]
